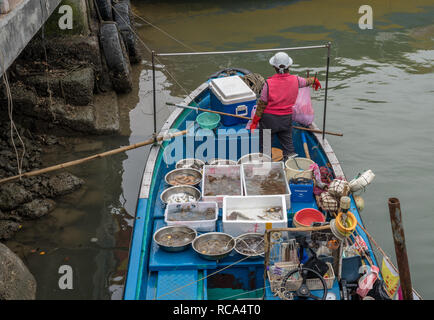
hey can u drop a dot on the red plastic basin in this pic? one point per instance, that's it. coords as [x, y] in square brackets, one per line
[305, 217]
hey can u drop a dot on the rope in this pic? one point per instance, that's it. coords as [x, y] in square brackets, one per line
[150, 51]
[255, 81]
[203, 278]
[12, 123]
[161, 30]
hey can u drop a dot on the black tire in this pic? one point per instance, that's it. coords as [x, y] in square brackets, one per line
[105, 9]
[123, 17]
[116, 56]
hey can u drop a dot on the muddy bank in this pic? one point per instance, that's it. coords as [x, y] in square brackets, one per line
[31, 197]
[63, 86]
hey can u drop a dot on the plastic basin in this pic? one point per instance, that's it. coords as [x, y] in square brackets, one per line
[305, 217]
[208, 120]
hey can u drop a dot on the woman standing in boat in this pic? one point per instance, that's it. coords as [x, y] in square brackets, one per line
[278, 96]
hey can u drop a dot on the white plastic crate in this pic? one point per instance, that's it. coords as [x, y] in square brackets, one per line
[251, 206]
[263, 169]
[233, 171]
[195, 207]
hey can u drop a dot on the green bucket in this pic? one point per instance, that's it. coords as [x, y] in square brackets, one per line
[208, 120]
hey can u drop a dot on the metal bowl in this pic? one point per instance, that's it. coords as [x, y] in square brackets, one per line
[180, 194]
[243, 239]
[254, 158]
[196, 174]
[220, 162]
[175, 238]
[190, 163]
[213, 245]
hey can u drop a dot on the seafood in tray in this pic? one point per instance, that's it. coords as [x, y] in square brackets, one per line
[174, 238]
[220, 181]
[201, 216]
[180, 194]
[250, 244]
[190, 163]
[213, 245]
[183, 176]
[272, 213]
[266, 178]
[251, 214]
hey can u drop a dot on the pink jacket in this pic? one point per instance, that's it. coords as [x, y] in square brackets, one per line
[282, 93]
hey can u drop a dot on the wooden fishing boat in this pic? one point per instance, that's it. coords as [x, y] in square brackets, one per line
[157, 274]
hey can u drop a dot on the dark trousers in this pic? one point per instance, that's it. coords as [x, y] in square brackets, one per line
[280, 126]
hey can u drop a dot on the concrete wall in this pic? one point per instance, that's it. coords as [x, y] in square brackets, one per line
[20, 25]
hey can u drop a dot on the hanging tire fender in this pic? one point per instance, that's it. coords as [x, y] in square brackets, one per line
[123, 17]
[105, 9]
[116, 57]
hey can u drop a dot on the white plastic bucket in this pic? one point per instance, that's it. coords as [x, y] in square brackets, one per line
[298, 168]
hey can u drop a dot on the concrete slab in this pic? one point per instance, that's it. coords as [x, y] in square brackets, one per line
[20, 25]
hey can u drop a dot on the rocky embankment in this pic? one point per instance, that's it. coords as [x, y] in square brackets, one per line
[62, 85]
[31, 197]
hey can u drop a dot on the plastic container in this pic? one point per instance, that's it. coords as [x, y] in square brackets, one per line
[298, 168]
[232, 95]
[305, 217]
[225, 174]
[301, 192]
[254, 173]
[197, 209]
[208, 120]
[252, 206]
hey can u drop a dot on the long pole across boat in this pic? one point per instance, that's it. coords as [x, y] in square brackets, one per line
[246, 118]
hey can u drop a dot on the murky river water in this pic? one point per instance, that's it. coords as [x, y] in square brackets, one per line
[380, 97]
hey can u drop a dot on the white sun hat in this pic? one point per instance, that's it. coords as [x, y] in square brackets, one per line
[281, 58]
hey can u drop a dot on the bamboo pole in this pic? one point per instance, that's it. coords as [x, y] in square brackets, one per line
[247, 118]
[95, 156]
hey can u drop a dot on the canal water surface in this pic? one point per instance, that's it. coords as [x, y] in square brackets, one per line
[380, 97]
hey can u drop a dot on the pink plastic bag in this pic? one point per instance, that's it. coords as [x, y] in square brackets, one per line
[303, 111]
[366, 282]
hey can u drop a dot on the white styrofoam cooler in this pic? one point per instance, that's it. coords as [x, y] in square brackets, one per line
[252, 204]
[265, 167]
[198, 225]
[232, 95]
[220, 170]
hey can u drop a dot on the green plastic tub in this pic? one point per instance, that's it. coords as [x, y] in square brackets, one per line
[208, 120]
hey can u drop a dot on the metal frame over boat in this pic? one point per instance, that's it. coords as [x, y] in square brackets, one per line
[150, 277]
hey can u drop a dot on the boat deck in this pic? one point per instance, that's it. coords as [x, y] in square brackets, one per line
[170, 271]
[156, 274]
